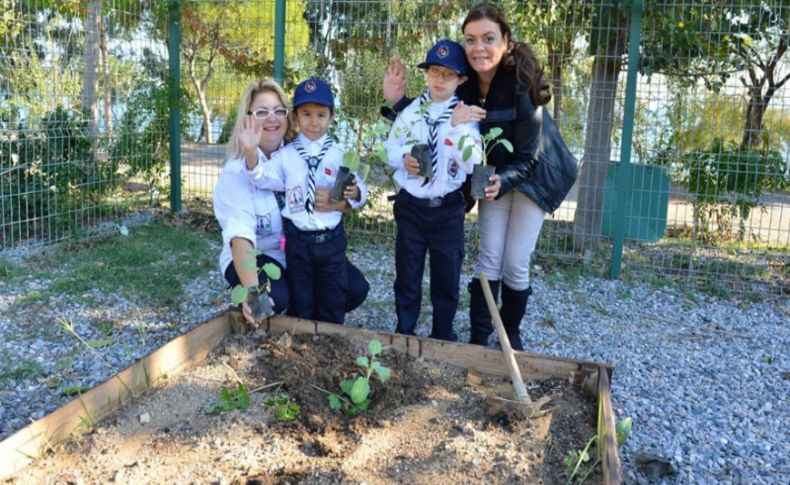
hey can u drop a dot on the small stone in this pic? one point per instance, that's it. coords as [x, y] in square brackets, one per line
[145, 418]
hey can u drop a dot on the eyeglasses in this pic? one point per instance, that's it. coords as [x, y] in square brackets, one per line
[443, 75]
[263, 113]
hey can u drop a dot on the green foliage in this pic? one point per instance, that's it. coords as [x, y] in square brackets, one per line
[230, 400]
[151, 265]
[490, 140]
[356, 391]
[727, 183]
[272, 271]
[574, 459]
[284, 407]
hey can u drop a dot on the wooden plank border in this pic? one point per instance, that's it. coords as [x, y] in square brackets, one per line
[607, 433]
[481, 359]
[191, 348]
[27, 444]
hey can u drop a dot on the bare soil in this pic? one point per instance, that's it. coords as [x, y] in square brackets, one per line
[427, 424]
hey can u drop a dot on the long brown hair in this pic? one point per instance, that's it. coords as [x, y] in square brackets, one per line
[529, 72]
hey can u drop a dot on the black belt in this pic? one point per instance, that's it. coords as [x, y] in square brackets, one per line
[316, 237]
[453, 197]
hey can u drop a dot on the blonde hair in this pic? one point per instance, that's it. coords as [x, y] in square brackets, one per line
[233, 148]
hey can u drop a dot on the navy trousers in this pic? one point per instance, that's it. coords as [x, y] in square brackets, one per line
[317, 274]
[357, 287]
[436, 227]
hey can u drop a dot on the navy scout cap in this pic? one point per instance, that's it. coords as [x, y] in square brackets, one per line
[314, 90]
[449, 54]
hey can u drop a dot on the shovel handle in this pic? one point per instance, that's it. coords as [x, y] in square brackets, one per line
[510, 358]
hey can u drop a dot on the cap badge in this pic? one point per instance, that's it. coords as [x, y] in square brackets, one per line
[442, 52]
[309, 86]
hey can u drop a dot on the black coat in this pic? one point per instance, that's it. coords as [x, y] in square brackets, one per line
[541, 166]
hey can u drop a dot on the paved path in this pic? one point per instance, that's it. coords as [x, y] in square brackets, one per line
[202, 164]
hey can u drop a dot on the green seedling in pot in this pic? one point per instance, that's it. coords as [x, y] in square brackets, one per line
[419, 150]
[345, 175]
[257, 296]
[483, 172]
[355, 397]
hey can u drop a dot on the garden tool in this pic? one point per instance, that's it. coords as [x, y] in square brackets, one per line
[523, 405]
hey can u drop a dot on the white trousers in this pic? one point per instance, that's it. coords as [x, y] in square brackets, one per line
[509, 230]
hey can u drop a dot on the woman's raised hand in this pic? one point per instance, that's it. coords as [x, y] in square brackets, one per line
[464, 113]
[395, 80]
[250, 135]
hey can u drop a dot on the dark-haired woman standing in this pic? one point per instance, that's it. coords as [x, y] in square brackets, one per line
[507, 89]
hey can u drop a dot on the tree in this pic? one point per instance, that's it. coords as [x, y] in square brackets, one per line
[608, 40]
[759, 41]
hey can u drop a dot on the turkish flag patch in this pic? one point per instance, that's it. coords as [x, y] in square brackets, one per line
[448, 142]
[327, 171]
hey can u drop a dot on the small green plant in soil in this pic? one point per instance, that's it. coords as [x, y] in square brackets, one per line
[257, 296]
[355, 397]
[285, 408]
[230, 400]
[575, 459]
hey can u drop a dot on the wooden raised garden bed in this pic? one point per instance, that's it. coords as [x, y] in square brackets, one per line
[465, 367]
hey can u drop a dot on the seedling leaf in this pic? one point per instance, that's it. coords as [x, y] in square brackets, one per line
[506, 143]
[248, 264]
[346, 385]
[362, 361]
[334, 402]
[374, 347]
[467, 153]
[272, 271]
[493, 133]
[384, 373]
[622, 430]
[238, 294]
[359, 390]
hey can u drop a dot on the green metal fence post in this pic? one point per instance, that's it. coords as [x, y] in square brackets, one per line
[174, 52]
[279, 41]
[624, 168]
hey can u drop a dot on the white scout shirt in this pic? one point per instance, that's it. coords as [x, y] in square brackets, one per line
[287, 171]
[451, 170]
[246, 211]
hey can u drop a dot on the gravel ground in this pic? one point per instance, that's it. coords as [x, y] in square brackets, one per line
[706, 380]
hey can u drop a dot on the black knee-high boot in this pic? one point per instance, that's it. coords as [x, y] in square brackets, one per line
[514, 305]
[479, 316]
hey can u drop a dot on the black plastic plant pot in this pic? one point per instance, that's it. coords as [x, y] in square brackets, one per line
[480, 176]
[422, 153]
[343, 180]
[260, 305]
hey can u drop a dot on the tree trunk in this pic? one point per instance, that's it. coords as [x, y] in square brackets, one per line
[91, 55]
[107, 80]
[598, 139]
[555, 65]
[204, 108]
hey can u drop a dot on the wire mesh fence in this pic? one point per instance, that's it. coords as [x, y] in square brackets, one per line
[694, 182]
[80, 116]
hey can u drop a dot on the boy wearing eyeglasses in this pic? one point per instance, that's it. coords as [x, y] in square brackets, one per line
[429, 210]
[315, 239]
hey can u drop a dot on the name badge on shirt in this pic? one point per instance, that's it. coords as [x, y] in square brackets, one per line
[452, 169]
[295, 199]
[264, 225]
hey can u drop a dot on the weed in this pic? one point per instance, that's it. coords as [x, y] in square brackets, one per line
[7, 270]
[358, 390]
[230, 400]
[23, 370]
[575, 458]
